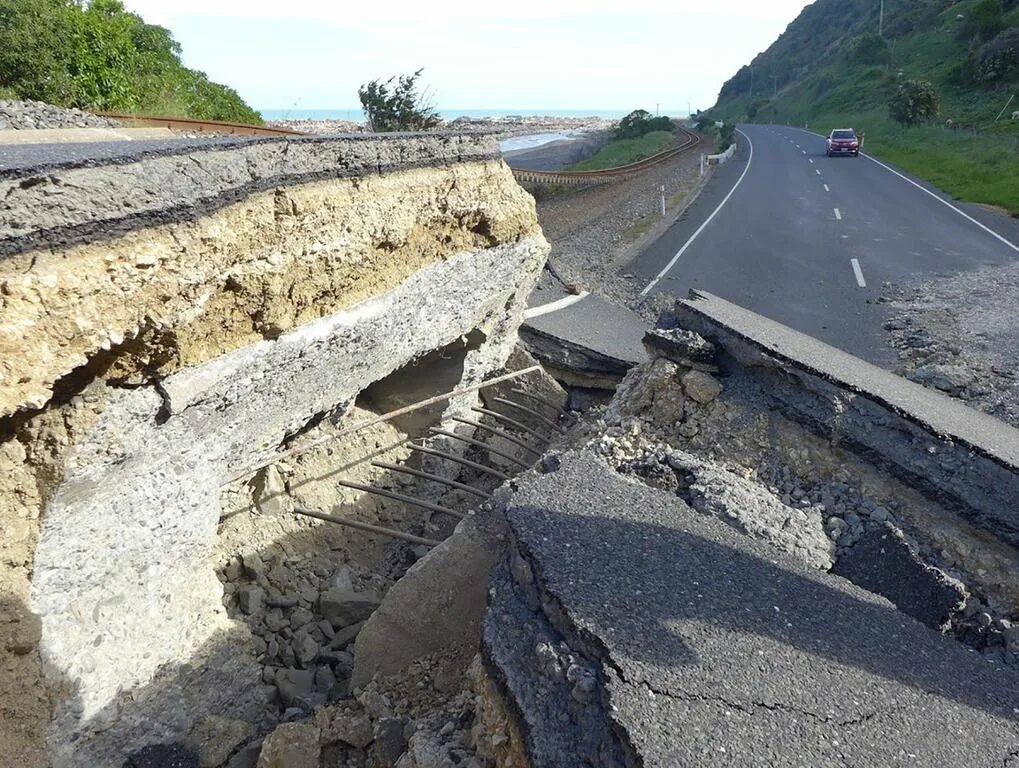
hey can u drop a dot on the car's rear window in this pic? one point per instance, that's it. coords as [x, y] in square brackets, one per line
[843, 135]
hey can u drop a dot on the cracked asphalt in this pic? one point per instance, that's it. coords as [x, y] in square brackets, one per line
[716, 649]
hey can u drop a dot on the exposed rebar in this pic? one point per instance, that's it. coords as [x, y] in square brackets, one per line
[365, 527]
[532, 412]
[480, 444]
[500, 432]
[429, 476]
[458, 460]
[513, 423]
[539, 399]
[304, 447]
[400, 497]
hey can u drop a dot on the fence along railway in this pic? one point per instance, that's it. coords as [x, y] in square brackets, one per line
[688, 141]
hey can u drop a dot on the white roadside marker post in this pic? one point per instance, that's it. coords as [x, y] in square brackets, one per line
[663, 201]
[702, 163]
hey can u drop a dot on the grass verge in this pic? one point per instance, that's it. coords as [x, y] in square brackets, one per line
[626, 151]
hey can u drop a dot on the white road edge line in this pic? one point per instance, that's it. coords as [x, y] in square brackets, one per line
[962, 213]
[702, 227]
[944, 202]
[838, 215]
[826, 188]
[859, 274]
[554, 306]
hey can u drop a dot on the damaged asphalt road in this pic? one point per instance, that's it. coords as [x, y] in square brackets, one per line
[715, 649]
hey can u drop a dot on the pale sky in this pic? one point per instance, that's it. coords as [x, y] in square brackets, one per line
[524, 54]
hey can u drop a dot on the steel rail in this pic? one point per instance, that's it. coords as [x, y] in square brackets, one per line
[202, 126]
[365, 527]
[532, 412]
[400, 497]
[513, 423]
[429, 476]
[305, 447]
[480, 444]
[458, 460]
[498, 432]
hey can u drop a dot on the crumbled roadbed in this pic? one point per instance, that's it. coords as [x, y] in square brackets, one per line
[958, 334]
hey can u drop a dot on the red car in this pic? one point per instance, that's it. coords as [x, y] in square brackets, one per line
[842, 141]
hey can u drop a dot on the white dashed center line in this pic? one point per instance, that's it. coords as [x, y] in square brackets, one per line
[838, 215]
[826, 188]
[859, 273]
[817, 171]
[811, 162]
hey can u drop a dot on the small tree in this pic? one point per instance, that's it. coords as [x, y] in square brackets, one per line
[914, 101]
[640, 122]
[396, 105]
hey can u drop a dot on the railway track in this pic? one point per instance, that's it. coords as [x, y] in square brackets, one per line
[689, 141]
[200, 126]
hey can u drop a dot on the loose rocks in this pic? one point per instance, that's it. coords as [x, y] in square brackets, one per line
[28, 115]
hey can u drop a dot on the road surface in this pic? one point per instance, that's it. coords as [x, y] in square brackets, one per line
[809, 240]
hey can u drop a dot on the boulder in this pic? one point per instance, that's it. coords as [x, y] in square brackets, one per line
[701, 386]
[343, 607]
[291, 745]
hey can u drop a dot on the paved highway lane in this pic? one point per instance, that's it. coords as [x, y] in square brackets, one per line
[809, 240]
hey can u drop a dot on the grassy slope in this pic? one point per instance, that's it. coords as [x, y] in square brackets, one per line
[979, 167]
[625, 151]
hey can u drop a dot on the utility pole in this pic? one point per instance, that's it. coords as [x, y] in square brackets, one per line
[881, 20]
[751, 82]
[775, 78]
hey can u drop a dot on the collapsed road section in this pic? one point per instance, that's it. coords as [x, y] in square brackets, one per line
[171, 317]
[765, 552]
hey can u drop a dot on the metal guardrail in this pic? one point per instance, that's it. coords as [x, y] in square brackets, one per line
[201, 126]
[690, 141]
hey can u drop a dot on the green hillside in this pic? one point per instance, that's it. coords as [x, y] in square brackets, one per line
[831, 68]
[98, 56]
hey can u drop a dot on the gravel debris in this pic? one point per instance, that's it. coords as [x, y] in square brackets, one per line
[958, 334]
[32, 115]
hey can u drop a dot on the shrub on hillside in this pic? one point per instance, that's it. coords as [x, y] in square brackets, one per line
[640, 122]
[999, 58]
[983, 21]
[914, 101]
[726, 137]
[870, 49]
[755, 108]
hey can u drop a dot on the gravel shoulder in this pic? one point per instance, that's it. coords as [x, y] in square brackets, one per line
[959, 334]
[595, 231]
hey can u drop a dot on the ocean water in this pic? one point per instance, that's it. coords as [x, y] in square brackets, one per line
[532, 140]
[449, 114]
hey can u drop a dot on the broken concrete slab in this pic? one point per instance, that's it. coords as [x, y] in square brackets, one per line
[681, 346]
[755, 658]
[592, 341]
[952, 453]
[883, 562]
[438, 605]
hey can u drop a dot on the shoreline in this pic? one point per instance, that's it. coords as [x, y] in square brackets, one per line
[501, 127]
